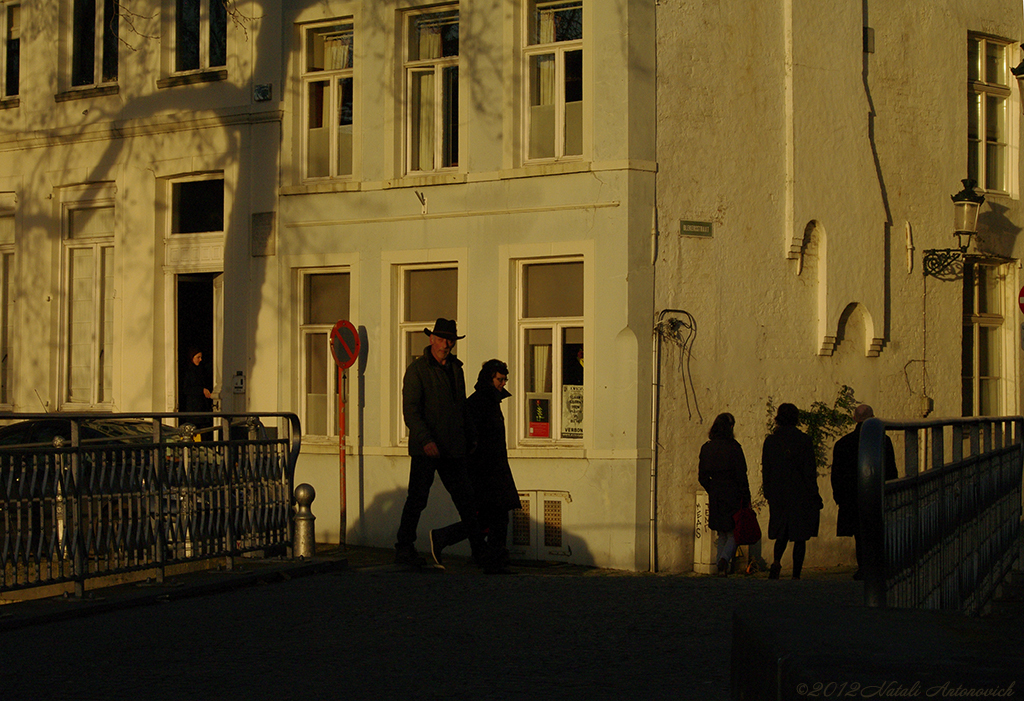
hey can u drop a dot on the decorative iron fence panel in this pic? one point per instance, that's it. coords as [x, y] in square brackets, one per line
[109, 500]
[945, 534]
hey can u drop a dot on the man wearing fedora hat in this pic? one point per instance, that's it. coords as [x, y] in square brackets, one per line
[433, 405]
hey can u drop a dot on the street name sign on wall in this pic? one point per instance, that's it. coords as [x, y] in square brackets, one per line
[695, 228]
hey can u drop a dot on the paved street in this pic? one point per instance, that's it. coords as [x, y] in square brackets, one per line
[371, 631]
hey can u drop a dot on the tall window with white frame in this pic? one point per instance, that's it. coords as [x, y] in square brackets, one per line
[432, 90]
[324, 296]
[201, 34]
[6, 310]
[327, 84]
[427, 292]
[987, 112]
[554, 79]
[94, 42]
[551, 343]
[10, 55]
[89, 296]
[982, 347]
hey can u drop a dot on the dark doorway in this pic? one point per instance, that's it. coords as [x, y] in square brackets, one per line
[195, 319]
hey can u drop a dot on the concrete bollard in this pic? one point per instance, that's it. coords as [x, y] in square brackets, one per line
[305, 539]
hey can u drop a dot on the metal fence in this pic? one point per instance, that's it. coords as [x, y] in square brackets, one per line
[946, 533]
[93, 495]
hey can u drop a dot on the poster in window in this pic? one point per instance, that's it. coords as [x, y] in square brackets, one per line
[540, 418]
[572, 411]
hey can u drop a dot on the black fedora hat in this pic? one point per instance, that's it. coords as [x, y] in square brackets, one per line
[445, 328]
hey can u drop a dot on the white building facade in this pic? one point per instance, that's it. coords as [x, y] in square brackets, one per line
[553, 174]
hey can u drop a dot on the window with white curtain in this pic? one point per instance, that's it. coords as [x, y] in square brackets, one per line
[10, 55]
[324, 300]
[554, 79]
[987, 112]
[94, 42]
[426, 292]
[432, 90]
[982, 346]
[88, 292]
[551, 350]
[200, 34]
[327, 84]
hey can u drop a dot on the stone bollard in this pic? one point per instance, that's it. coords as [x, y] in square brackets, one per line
[305, 539]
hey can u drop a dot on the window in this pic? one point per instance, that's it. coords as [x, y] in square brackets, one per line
[982, 355]
[11, 52]
[6, 309]
[325, 300]
[551, 343]
[432, 84]
[327, 84]
[94, 42]
[427, 293]
[201, 33]
[554, 70]
[197, 206]
[988, 99]
[89, 295]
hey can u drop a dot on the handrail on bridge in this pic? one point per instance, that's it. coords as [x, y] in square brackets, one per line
[74, 506]
[946, 533]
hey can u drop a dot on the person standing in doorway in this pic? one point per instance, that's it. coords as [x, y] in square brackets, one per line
[195, 389]
[844, 479]
[789, 475]
[433, 405]
[489, 471]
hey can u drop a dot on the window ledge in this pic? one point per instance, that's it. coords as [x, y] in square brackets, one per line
[10, 103]
[86, 93]
[206, 76]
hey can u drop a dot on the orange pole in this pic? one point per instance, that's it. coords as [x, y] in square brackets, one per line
[341, 453]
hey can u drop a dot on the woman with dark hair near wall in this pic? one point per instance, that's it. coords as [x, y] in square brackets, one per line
[790, 478]
[722, 471]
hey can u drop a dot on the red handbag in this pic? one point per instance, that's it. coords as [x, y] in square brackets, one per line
[747, 530]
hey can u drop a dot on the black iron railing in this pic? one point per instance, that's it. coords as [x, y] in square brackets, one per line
[946, 533]
[93, 495]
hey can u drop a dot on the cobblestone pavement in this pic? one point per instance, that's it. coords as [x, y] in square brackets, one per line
[374, 631]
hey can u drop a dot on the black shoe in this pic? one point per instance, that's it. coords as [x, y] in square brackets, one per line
[723, 567]
[407, 555]
[436, 546]
[774, 570]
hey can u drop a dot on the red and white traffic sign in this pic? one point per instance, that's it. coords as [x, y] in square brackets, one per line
[1020, 299]
[344, 344]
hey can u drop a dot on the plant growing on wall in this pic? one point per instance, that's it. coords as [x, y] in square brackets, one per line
[822, 424]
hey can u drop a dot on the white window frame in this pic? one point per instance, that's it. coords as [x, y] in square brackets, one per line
[101, 313]
[976, 321]
[307, 330]
[989, 109]
[104, 39]
[557, 421]
[10, 31]
[442, 102]
[204, 59]
[534, 49]
[410, 328]
[335, 79]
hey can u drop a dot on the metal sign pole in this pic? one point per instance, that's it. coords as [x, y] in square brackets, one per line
[341, 452]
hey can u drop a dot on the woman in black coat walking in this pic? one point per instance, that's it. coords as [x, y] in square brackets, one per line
[722, 471]
[790, 479]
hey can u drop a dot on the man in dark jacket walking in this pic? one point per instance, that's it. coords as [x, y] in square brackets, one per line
[844, 479]
[489, 471]
[433, 405]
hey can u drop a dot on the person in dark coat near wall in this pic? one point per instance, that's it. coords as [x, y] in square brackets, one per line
[722, 471]
[489, 471]
[844, 478]
[789, 476]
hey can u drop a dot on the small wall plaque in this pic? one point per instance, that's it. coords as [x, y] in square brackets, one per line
[695, 228]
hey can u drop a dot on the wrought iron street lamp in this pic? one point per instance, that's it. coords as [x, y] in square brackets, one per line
[966, 203]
